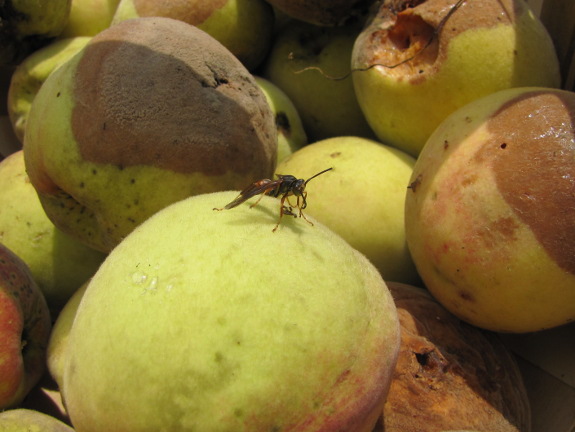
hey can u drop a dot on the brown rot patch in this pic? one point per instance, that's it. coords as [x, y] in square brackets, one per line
[335, 154]
[170, 97]
[534, 165]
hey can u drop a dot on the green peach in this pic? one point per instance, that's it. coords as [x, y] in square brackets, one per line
[362, 199]
[39, 18]
[27, 420]
[31, 73]
[28, 25]
[58, 343]
[490, 211]
[205, 320]
[89, 17]
[59, 263]
[291, 133]
[150, 111]
[306, 61]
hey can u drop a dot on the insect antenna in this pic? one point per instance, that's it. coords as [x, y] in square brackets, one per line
[314, 176]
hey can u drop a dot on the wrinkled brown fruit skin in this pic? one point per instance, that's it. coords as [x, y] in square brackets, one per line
[323, 12]
[177, 108]
[450, 375]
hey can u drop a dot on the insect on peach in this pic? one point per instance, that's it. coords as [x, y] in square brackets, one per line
[284, 185]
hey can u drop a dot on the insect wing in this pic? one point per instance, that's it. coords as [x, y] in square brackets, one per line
[256, 188]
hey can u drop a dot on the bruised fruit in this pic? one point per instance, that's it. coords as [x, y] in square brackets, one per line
[291, 330]
[451, 375]
[491, 210]
[419, 61]
[151, 111]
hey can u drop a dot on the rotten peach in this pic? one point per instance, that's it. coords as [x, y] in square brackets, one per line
[491, 209]
[418, 61]
[150, 111]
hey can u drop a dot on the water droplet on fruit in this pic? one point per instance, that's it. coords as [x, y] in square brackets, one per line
[139, 277]
[153, 283]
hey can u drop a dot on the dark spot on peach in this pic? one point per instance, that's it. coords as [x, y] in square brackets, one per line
[335, 154]
[468, 180]
[343, 376]
[415, 183]
[282, 123]
[465, 295]
[430, 360]
[503, 146]
[445, 145]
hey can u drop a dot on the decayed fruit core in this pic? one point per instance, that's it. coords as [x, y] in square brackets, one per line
[410, 44]
[406, 39]
[406, 45]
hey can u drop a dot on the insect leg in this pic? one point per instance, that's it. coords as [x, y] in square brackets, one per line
[288, 210]
[257, 201]
[282, 210]
[304, 205]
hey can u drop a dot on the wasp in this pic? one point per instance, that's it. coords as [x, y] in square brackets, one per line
[284, 185]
